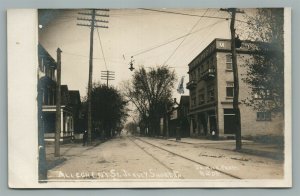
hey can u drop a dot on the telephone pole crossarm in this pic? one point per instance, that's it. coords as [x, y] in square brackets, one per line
[87, 19]
[87, 25]
[107, 75]
[89, 14]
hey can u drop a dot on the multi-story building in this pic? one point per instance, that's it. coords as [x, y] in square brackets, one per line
[47, 99]
[211, 95]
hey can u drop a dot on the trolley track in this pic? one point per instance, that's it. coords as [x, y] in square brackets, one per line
[151, 155]
[178, 155]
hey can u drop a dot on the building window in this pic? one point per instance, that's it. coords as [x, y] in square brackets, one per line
[211, 64]
[201, 97]
[43, 96]
[229, 89]
[210, 93]
[201, 70]
[261, 93]
[193, 98]
[199, 73]
[228, 62]
[42, 65]
[263, 116]
[193, 75]
[193, 101]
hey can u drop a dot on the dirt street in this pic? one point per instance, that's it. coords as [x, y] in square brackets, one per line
[149, 158]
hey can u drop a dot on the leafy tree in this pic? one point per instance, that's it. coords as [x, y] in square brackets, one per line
[265, 71]
[109, 110]
[150, 91]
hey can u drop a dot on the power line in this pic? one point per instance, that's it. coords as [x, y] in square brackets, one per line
[178, 38]
[102, 49]
[199, 43]
[194, 15]
[95, 58]
[184, 14]
[185, 37]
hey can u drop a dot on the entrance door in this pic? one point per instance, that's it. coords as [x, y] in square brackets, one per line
[213, 123]
[229, 121]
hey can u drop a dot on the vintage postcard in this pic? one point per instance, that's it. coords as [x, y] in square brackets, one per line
[157, 98]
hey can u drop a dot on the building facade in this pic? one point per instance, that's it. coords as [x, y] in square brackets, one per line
[211, 95]
[176, 122]
[47, 99]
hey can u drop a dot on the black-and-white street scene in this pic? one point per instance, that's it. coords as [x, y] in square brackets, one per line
[149, 94]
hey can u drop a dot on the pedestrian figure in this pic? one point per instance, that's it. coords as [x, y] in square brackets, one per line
[84, 138]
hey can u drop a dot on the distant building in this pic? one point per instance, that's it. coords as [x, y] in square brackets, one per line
[75, 104]
[174, 121]
[178, 119]
[183, 111]
[211, 95]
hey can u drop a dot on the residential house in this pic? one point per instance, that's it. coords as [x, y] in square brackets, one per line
[47, 99]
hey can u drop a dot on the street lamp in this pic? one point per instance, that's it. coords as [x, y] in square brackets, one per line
[131, 68]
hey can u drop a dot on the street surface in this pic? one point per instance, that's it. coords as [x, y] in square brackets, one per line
[129, 157]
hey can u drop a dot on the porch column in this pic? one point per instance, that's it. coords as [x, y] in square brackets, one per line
[72, 124]
[62, 123]
[67, 124]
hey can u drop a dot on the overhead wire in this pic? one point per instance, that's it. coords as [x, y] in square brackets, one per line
[95, 58]
[185, 14]
[102, 49]
[197, 42]
[194, 39]
[185, 38]
[173, 40]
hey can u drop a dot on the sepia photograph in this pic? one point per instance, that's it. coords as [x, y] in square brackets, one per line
[161, 97]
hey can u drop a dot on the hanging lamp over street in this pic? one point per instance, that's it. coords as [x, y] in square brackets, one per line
[131, 68]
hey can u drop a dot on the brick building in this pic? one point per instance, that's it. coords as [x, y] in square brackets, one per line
[211, 95]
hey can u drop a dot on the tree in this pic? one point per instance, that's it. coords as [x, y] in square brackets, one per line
[131, 127]
[109, 110]
[150, 91]
[265, 70]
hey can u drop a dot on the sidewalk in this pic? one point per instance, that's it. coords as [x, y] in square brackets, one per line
[249, 147]
[67, 151]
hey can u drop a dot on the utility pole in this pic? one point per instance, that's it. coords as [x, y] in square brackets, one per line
[167, 120]
[42, 166]
[235, 104]
[107, 75]
[92, 24]
[58, 105]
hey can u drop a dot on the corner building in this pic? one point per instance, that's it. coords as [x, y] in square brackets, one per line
[211, 95]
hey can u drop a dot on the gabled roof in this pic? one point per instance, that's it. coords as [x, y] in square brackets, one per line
[74, 97]
[47, 58]
[65, 97]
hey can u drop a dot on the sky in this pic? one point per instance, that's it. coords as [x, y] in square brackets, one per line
[152, 37]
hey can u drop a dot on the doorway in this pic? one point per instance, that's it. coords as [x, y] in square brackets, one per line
[229, 121]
